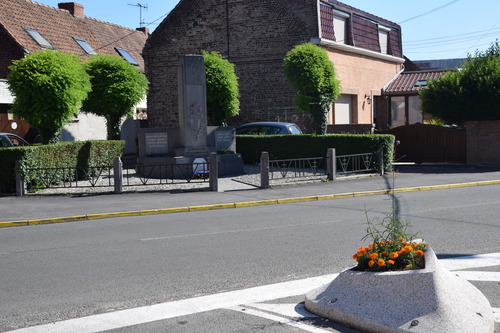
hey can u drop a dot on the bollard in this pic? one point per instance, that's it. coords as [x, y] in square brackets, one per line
[331, 165]
[213, 172]
[381, 159]
[20, 191]
[118, 175]
[264, 170]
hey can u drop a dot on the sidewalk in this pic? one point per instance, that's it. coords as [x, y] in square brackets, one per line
[234, 193]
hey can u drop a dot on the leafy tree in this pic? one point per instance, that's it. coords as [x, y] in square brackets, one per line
[471, 93]
[117, 86]
[312, 74]
[222, 89]
[49, 87]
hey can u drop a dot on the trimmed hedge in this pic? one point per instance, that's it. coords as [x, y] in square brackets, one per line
[74, 154]
[307, 145]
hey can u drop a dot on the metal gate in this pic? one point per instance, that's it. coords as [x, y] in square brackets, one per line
[421, 143]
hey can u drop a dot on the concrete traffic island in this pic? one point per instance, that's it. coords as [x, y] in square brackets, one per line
[424, 300]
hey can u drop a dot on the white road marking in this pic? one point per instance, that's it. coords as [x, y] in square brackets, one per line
[465, 262]
[281, 320]
[479, 276]
[289, 310]
[147, 314]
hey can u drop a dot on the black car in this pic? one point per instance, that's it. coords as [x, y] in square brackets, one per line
[11, 140]
[268, 128]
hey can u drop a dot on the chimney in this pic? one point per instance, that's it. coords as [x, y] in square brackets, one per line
[74, 8]
[144, 30]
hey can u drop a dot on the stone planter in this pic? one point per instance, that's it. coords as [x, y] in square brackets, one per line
[425, 300]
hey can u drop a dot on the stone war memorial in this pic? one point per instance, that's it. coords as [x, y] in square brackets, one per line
[179, 147]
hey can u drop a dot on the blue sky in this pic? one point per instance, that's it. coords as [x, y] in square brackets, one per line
[432, 29]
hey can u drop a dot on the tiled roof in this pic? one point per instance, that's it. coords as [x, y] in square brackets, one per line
[407, 81]
[59, 27]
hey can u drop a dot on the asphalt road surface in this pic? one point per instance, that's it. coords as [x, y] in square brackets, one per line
[238, 270]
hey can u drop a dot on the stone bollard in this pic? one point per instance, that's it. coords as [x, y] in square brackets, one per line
[213, 172]
[331, 165]
[264, 170]
[118, 175]
[381, 160]
[20, 191]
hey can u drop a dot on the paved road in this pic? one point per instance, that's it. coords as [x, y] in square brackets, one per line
[276, 253]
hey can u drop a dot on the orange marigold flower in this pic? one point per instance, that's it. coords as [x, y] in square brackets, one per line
[373, 255]
[390, 242]
[368, 249]
[355, 256]
[384, 253]
[372, 245]
[381, 262]
[390, 262]
[382, 242]
[371, 263]
[408, 249]
[400, 239]
[420, 253]
[400, 252]
[361, 252]
[405, 243]
[394, 255]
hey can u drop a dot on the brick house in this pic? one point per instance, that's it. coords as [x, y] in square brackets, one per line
[27, 27]
[256, 35]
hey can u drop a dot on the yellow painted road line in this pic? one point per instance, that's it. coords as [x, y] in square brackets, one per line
[241, 204]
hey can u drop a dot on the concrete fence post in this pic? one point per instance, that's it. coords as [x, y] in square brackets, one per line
[331, 165]
[213, 172]
[20, 191]
[381, 160]
[118, 175]
[264, 170]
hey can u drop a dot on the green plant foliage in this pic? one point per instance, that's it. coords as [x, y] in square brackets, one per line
[117, 86]
[49, 87]
[306, 145]
[471, 93]
[310, 72]
[222, 89]
[77, 154]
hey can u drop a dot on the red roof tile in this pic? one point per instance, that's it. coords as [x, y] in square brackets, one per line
[407, 81]
[59, 27]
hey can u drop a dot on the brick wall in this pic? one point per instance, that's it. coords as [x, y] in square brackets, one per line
[9, 50]
[483, 143]
[254, 35]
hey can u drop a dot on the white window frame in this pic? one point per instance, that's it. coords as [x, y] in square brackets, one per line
[383, 38]
[340, 25]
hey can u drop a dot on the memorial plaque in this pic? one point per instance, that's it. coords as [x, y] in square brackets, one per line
[224, 140]
[156, 143]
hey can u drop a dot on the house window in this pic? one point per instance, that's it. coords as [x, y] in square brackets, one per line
[37, 37]
[343, 110]
[127, 56]
[414, 110]
[383, 35]
[339, 26]
[84, 45]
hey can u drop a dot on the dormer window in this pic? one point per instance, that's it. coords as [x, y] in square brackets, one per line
[37, 37]
[383, 36]
[127, 56]
[84, 45]
[339, 26]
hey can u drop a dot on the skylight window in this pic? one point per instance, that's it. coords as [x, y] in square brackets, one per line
[127, 56]
[37, 37]
[421, 83]
[84, 45]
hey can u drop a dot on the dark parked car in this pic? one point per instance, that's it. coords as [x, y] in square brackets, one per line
[11, 140]
[268, 128]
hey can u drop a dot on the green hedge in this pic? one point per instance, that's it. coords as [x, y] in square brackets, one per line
[77, 154]
[307, 145]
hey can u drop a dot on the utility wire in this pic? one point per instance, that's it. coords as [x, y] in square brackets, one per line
[430, 11]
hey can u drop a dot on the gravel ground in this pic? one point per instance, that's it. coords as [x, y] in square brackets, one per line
[248, 180]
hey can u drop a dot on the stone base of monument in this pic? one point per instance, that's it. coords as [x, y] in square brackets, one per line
[425, 300]
[182, 167]
[229, 164]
